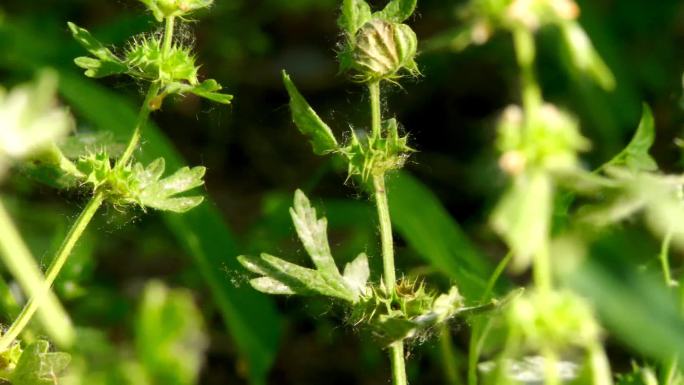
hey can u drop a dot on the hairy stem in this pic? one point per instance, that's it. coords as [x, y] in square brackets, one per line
[19, 261]
[52, 272]
[376, 115]
[389, 275]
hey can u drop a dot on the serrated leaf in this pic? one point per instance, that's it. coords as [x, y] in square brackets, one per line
[357, 272]
[289, 278]
[105, 62]
[309, 123]
[161, 194]
[635, 156]
[313, 234]
[397, 10]
[355, 13]
[169, 335]
[39, 366]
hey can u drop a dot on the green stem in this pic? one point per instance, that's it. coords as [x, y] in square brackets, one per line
[376, 115]
[542, 273]
[152, 93]
[26, 271]
[525, 53]
[143, 116]
[448, 356]
[398, 364]
[665, 258]
[52, 272]
[389, 276]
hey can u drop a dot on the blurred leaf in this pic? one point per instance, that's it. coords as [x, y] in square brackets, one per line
[397, 10]
[357, 272]
[425, 224]
[584, 56]
[523, 215]
[322, 139]
[39, 366]
[170, 338]
[635, 156]
[355, 13]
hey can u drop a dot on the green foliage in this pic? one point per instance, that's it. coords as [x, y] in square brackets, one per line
[153, 59]
[320, 135]
[39, 366]
[170, 339]
[636, 155]
[140, 185]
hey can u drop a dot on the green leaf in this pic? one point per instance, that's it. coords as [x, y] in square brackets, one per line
[169, 335]
[105, 62]
[397, 10]
[357, 272]
[313, 234]
[635, 156]
[208, 90]
[523, 216]
[426, 225]
[308, 122]
[282, 277]
[39, 366]
[355, 13]
[161, 193]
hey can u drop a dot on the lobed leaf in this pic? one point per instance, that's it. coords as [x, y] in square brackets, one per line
[161, 194]
[313, 234]
[309, 123]
[356, 273]
[208, 90]
[39, 366]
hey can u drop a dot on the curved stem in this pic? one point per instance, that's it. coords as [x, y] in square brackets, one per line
[53, 271]
[665, 258]
[143, 116]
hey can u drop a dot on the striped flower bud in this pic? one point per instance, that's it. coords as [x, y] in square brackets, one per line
[382, 49]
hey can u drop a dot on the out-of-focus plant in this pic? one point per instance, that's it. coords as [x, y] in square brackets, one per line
[34, 130]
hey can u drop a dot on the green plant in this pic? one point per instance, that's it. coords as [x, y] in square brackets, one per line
[35, 131]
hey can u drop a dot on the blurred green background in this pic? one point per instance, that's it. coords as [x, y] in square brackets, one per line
[256, 159]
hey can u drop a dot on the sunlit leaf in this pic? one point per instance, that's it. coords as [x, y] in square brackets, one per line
[105, 62]
[39, 366]
[355, 13]
[397, 10]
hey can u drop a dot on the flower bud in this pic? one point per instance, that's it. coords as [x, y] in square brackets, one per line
[382, 49]
[171, 8]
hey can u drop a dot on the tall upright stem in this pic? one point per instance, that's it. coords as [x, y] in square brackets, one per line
[389, 275]
[525, 53]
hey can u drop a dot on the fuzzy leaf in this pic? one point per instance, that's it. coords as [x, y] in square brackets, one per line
[170, 338]
[308, 122]
[355, 13]
[282, 277]
[105, 62]
[397, 10]
[313, 234]
[635, 156]
[161, 194]
[357, 272]
[82, 144]
[39, 366]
